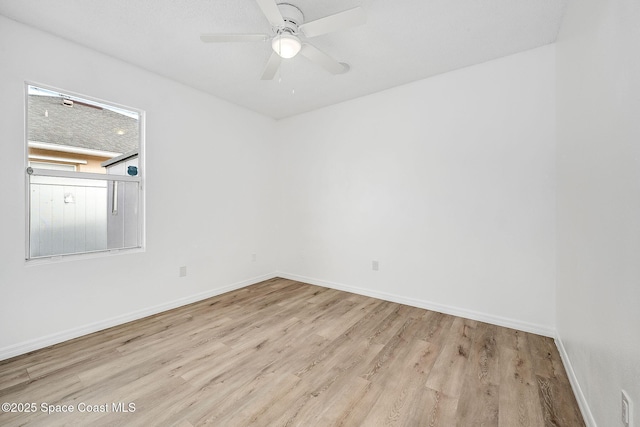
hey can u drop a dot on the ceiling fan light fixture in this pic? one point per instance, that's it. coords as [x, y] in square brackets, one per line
[286, 45]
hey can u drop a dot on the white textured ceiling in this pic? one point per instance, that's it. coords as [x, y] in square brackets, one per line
[402, 41]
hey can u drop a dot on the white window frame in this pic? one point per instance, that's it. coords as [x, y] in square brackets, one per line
[139, 178]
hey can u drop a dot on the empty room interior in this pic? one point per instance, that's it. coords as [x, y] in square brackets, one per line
[353, 213]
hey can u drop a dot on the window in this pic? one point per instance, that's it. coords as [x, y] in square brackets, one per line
[84, 171]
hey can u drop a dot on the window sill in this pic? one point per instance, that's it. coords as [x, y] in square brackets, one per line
[81, 256]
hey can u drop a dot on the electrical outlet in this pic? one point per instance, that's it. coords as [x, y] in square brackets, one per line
[375, 266]
[254, 257]
[626, 410]
[183, 271]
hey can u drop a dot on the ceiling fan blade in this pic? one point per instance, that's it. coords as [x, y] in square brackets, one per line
[271, 11]
[272, 67]
[314, 54]
[226, 38]
[339, 21]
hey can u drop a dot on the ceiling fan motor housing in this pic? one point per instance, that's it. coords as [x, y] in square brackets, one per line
[292, 16]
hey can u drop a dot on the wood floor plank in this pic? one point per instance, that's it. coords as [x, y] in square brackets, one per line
[398, 404]
[520, 407]
[243, 405]
[545, 357]
[13, 376]
[333, 330]
[484, 356]
[285, 353]
[558, 408]
[331, 394]
[434, 327]
[448, 373]
[478, 403]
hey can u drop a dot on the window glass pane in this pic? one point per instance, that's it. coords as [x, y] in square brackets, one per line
[71, 215]
[90, 132]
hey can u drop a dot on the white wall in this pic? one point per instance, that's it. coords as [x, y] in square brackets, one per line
[598, 165]
[448, 182]
[209, 197]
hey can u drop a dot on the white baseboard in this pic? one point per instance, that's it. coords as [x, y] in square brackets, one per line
[428, 305]
[46, 341]
[575, 385]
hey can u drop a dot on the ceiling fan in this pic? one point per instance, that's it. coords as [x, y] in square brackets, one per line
[288, 25]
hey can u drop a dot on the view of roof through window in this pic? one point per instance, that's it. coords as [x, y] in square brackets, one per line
[72, 124]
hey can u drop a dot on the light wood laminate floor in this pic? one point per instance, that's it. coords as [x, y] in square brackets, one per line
[284, 353]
